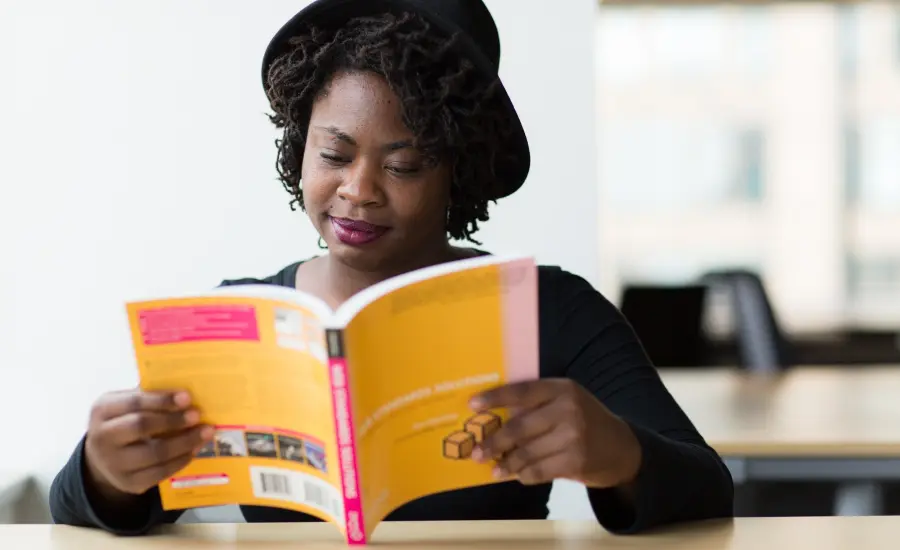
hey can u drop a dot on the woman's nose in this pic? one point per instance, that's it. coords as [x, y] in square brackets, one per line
[361, 187]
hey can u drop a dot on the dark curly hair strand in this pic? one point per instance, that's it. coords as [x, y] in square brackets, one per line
[449, 107]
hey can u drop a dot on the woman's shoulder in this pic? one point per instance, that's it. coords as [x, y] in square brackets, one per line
[556, 280]
[564, 296]
[286, 277]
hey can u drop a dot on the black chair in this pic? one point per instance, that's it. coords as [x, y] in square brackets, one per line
[668, 320]
[762, 344]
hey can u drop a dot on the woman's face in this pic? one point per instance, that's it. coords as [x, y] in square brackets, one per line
[375, 200]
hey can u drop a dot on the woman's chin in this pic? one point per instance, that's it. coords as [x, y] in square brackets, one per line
[365, 259]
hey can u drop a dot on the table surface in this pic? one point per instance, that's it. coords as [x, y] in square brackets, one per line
[835, 412]
[821, 533]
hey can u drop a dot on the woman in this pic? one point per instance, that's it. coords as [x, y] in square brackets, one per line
[397, 135]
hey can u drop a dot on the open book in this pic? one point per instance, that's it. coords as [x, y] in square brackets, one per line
[349, 414]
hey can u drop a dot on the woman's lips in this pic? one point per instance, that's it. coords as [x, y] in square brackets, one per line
[356, 232]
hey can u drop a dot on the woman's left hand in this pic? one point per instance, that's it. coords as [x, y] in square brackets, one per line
[558, 430]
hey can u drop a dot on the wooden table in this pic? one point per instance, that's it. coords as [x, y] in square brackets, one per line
[811, 412]
[810, 423]
[824, 533]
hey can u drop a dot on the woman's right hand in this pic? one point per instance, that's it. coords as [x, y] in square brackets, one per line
[136, 439]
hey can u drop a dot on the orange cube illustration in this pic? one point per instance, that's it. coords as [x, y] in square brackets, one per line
[483, 426]
[459, 445]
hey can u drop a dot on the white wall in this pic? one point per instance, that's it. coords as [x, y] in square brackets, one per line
[135, 159]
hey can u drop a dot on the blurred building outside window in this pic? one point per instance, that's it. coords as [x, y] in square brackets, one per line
[757, 136]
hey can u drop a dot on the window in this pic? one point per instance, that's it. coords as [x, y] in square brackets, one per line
[748, 171]
[897, 32]
[666, 164]
[752, 39]
[872, 279]
[851, 163]
[765, 135]
[848, 40]
[879, 165]
[688, 42]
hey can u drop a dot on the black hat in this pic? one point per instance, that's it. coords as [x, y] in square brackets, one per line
[478, 41]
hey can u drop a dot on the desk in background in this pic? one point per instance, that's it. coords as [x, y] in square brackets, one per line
[809, 424]
[823, 533]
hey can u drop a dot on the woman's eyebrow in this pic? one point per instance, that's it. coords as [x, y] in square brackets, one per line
[397, 145]
[339, 134]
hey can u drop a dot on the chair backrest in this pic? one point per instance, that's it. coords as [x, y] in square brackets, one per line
[762, 343]
[668, 320]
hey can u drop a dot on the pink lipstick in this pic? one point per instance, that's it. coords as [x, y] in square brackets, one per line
[356, 232]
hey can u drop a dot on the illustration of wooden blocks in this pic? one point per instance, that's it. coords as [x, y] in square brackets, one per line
[459, 445]
[483, 426]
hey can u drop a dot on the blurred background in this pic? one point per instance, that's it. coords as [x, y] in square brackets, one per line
[731, 171]
[749, 215]
[760, 136]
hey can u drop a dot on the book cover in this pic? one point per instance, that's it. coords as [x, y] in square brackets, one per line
[343, 415]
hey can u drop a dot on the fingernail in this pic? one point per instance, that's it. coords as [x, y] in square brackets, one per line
[191, 417]
[182, 399]
[499, 473]
[207, 432]
[476, 403]
[477, 454]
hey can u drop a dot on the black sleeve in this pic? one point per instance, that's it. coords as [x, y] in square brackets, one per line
[71, 505]
[681, 478]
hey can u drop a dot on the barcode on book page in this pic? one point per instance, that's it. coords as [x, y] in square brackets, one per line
[275, 484]
[291, 486]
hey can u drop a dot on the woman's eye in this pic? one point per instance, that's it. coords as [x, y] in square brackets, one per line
[334, 159]
[403, 170]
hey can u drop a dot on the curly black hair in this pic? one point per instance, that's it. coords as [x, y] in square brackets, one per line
[450, 108]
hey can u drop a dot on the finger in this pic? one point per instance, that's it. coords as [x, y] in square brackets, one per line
[518, 430]
[133, 401]
[160, 450]
[148, 478]
[526, 395]
[134, 427]
[534, 451]
[545, 470]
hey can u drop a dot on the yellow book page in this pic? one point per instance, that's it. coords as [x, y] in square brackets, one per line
[257, 370]
[416, 357]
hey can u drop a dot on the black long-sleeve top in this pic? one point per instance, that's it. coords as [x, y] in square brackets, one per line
[582, 337]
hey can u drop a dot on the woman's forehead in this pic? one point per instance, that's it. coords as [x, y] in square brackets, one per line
[360, 103]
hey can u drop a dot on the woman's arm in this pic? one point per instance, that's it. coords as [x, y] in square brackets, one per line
[73, 501]
[680, 477]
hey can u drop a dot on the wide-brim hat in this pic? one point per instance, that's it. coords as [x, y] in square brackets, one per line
[478, 41]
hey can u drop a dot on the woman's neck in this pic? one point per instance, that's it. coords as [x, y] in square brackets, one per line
[344, 281]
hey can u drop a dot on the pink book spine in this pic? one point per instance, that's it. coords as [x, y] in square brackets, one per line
[520, 320]
[346, 439]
